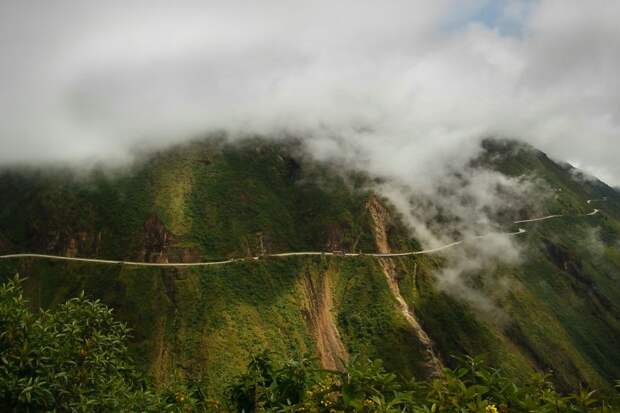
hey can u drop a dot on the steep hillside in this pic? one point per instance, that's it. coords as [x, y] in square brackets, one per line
[209, 200]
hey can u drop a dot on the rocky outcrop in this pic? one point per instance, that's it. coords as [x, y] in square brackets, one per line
[156, 241]
[379, 216]
[334, 238]
[82, 244]
[67, 242]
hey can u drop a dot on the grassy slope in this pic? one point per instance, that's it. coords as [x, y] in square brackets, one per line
[214, 199]
[563, 297]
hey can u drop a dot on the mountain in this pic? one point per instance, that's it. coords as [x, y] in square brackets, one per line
[556, 308]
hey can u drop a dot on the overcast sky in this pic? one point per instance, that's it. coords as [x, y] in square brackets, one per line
[409, 85]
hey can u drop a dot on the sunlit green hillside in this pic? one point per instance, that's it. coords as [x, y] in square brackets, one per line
[209, 200]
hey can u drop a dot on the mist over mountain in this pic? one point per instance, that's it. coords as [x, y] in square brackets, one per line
[405, 181]
[408, 87]
[512, 257]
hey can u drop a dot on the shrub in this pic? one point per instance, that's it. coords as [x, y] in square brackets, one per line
[71, 359]
[366, 386]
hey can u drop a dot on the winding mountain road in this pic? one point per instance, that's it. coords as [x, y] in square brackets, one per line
[289, 254]
[537, 219]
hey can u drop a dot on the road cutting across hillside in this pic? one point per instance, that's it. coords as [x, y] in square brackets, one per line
[289, 254]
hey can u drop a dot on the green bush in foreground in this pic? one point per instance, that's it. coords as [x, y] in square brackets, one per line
[72, 359]
[75, 359]
[367, 387]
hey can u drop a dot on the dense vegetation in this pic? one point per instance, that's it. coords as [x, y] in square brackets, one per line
[74, 358]
[366, 386]
[209, 200]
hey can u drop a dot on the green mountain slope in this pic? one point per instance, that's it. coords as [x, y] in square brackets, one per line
[209, 200]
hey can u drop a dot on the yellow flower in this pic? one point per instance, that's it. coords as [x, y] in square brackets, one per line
[491, 409]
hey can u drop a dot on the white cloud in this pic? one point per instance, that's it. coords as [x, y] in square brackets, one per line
[402, 89]
[94, 79]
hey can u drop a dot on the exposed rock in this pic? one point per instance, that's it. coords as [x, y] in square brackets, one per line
[562, 258]
[318, 314]
[81, 243]
[183, 254]
[72, 248]
[260, 241]
[379, 216]
[433, 363]
[156, 241]
[334, 238]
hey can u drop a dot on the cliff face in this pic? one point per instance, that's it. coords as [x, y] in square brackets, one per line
[211, 201]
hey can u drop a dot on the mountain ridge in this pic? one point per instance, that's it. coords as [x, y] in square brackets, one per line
[215, 201]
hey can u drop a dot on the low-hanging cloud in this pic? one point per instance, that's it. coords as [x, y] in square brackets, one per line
[476, 206]
[411, 85]
[402, 89]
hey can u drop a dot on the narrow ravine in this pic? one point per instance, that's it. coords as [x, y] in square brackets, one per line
[379, 214]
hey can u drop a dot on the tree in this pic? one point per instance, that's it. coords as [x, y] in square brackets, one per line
[73, 358]
[366, 386]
